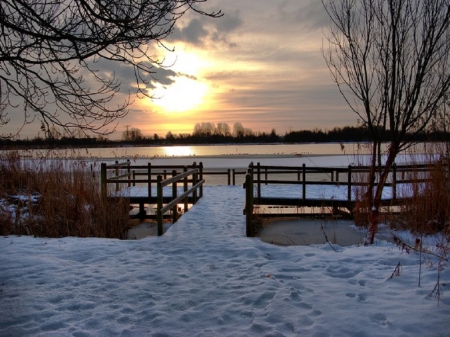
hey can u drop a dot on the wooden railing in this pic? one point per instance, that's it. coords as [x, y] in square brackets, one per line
[126, 174]
[231, 174]
[333, 176]
[258, 175]
[156, 176]
[173, 204]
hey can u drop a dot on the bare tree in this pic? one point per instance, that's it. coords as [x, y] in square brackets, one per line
[238, 130]
[390, 60]
[204, 129]
[57, 57]
[170, 136]
[441, 125]
[223, 129]
[132, 134]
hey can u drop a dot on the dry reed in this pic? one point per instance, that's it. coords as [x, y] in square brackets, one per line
[428, 209]
[56, 198]
[426, 206]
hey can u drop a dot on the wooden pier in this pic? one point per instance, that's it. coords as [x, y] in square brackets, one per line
[146, 185]
[333, 188]
[337, 189]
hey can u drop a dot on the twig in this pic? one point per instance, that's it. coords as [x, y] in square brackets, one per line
[437, 286]
[397, 271]
[326, 238]
[404, 245]
[420, 257]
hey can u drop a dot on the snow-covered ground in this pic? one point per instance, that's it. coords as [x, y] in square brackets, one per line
[242, 161]
[205, 278]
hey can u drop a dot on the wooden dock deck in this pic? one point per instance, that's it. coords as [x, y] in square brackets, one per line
[337, 189]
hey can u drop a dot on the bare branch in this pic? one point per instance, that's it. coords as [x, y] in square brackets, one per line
[53, 56]
[390, 61]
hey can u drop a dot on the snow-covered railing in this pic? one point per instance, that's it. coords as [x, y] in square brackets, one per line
[124, 173]
[335, 187]
[196, 185]
[150, 178]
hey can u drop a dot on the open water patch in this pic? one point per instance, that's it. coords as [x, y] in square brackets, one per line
[311, 231]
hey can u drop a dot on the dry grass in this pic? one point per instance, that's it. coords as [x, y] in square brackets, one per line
[361, 214]
[428, 211]
[54, 198]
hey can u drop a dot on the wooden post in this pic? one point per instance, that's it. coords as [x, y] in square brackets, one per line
[194, 181]
[266, 175]
[185, 188]
[117, 174]
[128, 172]
[258, 178]
[249, 204]
[200, 166]
[349, 184]
[174, 196]
[304, 181]
[332, 175]
[337, 175]
[159, 204]
[229, 177]
[394, 181]
[234, 177]
[103, 180]
[149, 178]
[134, 177]
[250, 168]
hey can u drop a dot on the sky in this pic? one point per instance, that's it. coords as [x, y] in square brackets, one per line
[204, 277]
[260, 64]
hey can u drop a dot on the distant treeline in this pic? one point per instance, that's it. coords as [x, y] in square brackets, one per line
[337, 135]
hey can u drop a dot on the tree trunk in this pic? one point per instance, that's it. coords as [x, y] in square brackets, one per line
[374, 213]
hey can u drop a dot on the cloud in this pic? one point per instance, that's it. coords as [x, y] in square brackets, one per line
[201, 31]
[308, 14]
[262, 61]
[164, 76]
[229, 22]
[313, 15]
[193, 33]
[125, 74]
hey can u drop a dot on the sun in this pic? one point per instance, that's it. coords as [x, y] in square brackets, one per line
[188, 89]
[184, 94]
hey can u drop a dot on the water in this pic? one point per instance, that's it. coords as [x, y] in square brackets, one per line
[310, 231]
[315, 232]
[198, 150]
[216, 150]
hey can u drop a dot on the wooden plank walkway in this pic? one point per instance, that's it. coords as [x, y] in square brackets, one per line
[215, 217]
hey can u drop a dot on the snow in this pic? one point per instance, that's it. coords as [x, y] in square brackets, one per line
[242, 161]
[205, 278]
[288, 191]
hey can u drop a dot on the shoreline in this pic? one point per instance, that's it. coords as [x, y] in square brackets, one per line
[240, 161]
[231, 156]
[215, 156]
[218, 156]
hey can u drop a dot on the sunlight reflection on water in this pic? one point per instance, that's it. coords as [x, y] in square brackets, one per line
[178, 151]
